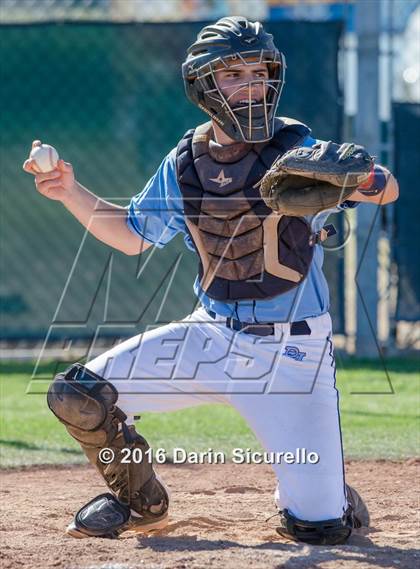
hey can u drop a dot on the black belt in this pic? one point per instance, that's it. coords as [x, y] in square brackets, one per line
[300, 328]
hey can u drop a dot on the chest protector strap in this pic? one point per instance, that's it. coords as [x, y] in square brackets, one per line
[246, 251]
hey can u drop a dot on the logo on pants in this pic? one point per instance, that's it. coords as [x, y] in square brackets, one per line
[294, 353]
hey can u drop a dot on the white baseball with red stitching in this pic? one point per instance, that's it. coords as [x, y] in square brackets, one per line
[45, 158]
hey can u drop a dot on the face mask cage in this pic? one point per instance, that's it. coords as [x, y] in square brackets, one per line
[251, 121]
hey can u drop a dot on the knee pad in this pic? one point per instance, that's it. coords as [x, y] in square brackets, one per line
[81, 399]
[327, 532]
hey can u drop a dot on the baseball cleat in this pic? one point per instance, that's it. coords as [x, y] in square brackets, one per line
[361, 517]
[140, 526]
[106, 517]
[327, 532]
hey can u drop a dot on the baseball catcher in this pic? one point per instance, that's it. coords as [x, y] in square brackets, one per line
[250, 192]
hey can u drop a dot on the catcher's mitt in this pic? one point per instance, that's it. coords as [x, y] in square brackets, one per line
[304, 180]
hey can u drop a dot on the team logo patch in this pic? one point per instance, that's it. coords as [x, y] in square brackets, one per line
[250, 40]
[294, 353]
[221, 180]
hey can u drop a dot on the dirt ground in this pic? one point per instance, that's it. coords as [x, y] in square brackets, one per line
[218, 515]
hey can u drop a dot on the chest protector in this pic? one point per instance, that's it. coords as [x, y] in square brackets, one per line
[246, 250]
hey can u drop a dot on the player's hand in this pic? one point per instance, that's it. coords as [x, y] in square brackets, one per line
[55, 185]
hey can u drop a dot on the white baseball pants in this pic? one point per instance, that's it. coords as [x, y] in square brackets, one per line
[283, 385]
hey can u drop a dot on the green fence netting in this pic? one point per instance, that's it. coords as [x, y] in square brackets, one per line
[110, 99]
[407, 209]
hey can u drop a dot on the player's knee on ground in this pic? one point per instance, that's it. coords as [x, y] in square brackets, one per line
[86, 404]
[327, 532]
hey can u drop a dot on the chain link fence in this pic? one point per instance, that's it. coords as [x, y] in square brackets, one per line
[110, 98]
[18, 11]
[407, 230]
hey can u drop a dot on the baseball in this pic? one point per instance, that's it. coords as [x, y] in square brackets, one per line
[45, 158]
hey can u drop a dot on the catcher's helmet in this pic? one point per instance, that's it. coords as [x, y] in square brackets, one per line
[235, 41]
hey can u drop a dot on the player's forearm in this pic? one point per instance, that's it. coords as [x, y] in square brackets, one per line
[106, 221]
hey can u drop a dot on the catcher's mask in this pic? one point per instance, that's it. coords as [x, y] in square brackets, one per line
[231, 42]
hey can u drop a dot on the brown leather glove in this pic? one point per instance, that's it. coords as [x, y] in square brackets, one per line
[307, 180]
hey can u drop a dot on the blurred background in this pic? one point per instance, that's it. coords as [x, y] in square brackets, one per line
[100, 80]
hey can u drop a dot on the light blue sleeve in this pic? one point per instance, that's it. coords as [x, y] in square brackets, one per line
[156, 213]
